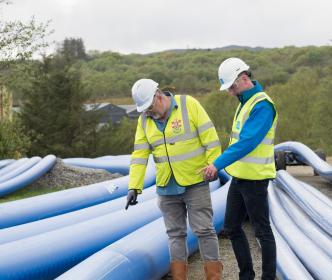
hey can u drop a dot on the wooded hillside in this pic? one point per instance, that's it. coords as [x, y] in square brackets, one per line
[297, 79]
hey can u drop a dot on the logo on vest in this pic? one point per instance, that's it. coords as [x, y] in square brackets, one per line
[176, 126]
[238, 125]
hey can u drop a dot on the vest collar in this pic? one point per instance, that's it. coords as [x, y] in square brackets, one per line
[247, 94]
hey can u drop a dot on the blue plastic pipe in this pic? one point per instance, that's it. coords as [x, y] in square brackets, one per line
[22, 168]
[113, 164]
[57, 203]
[47, 255]
[307, 156]
[313, 258]
[27, 177]
[289, 267]
[142, 254]
[12, 166]
[5, 162]
[323, 198]
[305, 224]
[309, 203]
[52, 223]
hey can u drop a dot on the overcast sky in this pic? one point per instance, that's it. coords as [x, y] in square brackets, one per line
[144, 26]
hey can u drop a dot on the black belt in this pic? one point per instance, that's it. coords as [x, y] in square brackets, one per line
[239, 180]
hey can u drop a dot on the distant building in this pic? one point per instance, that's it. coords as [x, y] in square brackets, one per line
[108, 112]
[16, 109]
[130, 111]
[113, 113]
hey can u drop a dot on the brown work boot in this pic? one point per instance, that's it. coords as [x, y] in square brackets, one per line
[179, 270]
[213, 270]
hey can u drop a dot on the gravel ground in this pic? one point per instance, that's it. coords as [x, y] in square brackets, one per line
[66, 176]
[196, 272]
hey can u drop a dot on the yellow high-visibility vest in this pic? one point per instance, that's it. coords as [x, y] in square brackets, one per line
[259, 163]
[189, 143]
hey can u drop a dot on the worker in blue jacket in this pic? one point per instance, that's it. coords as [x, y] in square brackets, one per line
[249, 159]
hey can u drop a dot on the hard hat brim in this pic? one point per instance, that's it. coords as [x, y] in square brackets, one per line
[146, 105]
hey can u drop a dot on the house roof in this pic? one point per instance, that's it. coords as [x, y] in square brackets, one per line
[129, 108]
[95, 106]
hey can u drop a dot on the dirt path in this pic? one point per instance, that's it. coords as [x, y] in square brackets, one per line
[304, 173]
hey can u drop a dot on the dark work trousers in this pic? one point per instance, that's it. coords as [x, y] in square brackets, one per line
[250, 197]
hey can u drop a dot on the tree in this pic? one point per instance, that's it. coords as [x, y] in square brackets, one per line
[18, 41]
[53, 111]
[116, 139]
[13, 142]
[72, 49]
[21, 40]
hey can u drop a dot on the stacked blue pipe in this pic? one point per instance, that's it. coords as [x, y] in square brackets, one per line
[46, 255]
[316, 261]
[114, 164]
[304, 222]
[307, 156]
[24, 174]
[74, 217]
[323, 198]
[5, 162]
[131, 258]
[288, 265]
[312, 205]
[12, 166]
[52, 204]
[40, 226]
[111, 243]
[18, 170]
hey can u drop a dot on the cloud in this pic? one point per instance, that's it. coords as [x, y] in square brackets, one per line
[153, 25]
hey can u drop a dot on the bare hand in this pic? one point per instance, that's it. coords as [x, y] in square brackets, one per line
[210, 172]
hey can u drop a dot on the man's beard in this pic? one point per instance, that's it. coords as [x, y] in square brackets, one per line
[158, 116]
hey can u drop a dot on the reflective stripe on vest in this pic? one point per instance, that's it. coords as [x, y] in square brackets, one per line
[212, 144]
[144, 146]
[176, 158]
[183, 137]
[258, 160]
[266, 141]
[139, 161]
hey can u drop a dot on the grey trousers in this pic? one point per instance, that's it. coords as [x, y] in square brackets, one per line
[196, 202]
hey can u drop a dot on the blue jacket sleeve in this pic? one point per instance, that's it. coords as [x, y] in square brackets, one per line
[253, 132]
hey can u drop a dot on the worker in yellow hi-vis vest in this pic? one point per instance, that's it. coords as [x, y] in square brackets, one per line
[250, 160]
[182, 139]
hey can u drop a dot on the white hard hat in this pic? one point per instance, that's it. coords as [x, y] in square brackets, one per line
[229, 70]
[143, 92]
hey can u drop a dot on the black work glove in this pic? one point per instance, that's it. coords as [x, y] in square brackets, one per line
[131, 198]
